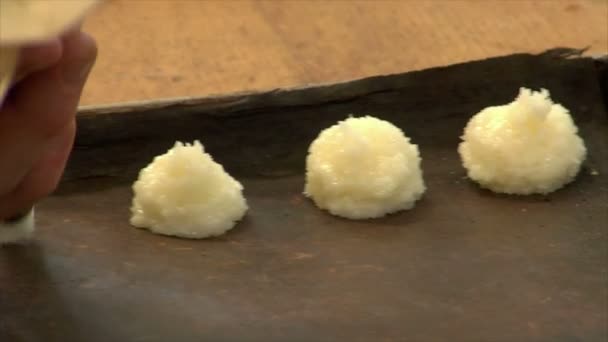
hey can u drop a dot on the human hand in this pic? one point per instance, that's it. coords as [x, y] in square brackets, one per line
[38, 119]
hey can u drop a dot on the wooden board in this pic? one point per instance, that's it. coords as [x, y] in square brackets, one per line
[152, 49]
[464, 265]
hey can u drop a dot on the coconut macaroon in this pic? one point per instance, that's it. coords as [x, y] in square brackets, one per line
[363, 168]
[529, 146]
[185, 193]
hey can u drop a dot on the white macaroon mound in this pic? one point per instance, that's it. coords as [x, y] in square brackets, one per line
[185, 193]
[530, 146]
[363, 168]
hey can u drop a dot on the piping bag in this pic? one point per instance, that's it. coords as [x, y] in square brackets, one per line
[25, 22]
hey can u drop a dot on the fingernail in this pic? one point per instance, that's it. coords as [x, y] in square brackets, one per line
[77, 72]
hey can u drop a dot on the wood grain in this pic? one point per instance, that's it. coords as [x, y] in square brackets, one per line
[152, 49]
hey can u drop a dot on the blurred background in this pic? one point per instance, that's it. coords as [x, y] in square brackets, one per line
[152, 49]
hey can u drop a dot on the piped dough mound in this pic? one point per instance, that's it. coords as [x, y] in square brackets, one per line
[530, 146]
[185, 193]
[363, 168]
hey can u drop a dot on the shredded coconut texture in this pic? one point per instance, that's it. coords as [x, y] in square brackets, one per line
[363, 168]
[185, 193]
[530, 146]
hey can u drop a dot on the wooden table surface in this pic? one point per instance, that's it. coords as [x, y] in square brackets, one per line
[151, 49]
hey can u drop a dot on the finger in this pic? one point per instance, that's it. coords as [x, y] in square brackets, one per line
[43, 178]
[38, 57]
[46, 101]
[42, 105]
[42, 55]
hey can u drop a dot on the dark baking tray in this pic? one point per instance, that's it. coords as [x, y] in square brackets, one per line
[463, 265]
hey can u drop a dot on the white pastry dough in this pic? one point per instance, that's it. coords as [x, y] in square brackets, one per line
[18, 230]
[185, 193]
[363, 168]
[528, 146]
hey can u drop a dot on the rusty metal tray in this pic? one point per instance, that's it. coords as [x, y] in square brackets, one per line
[464, 265]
